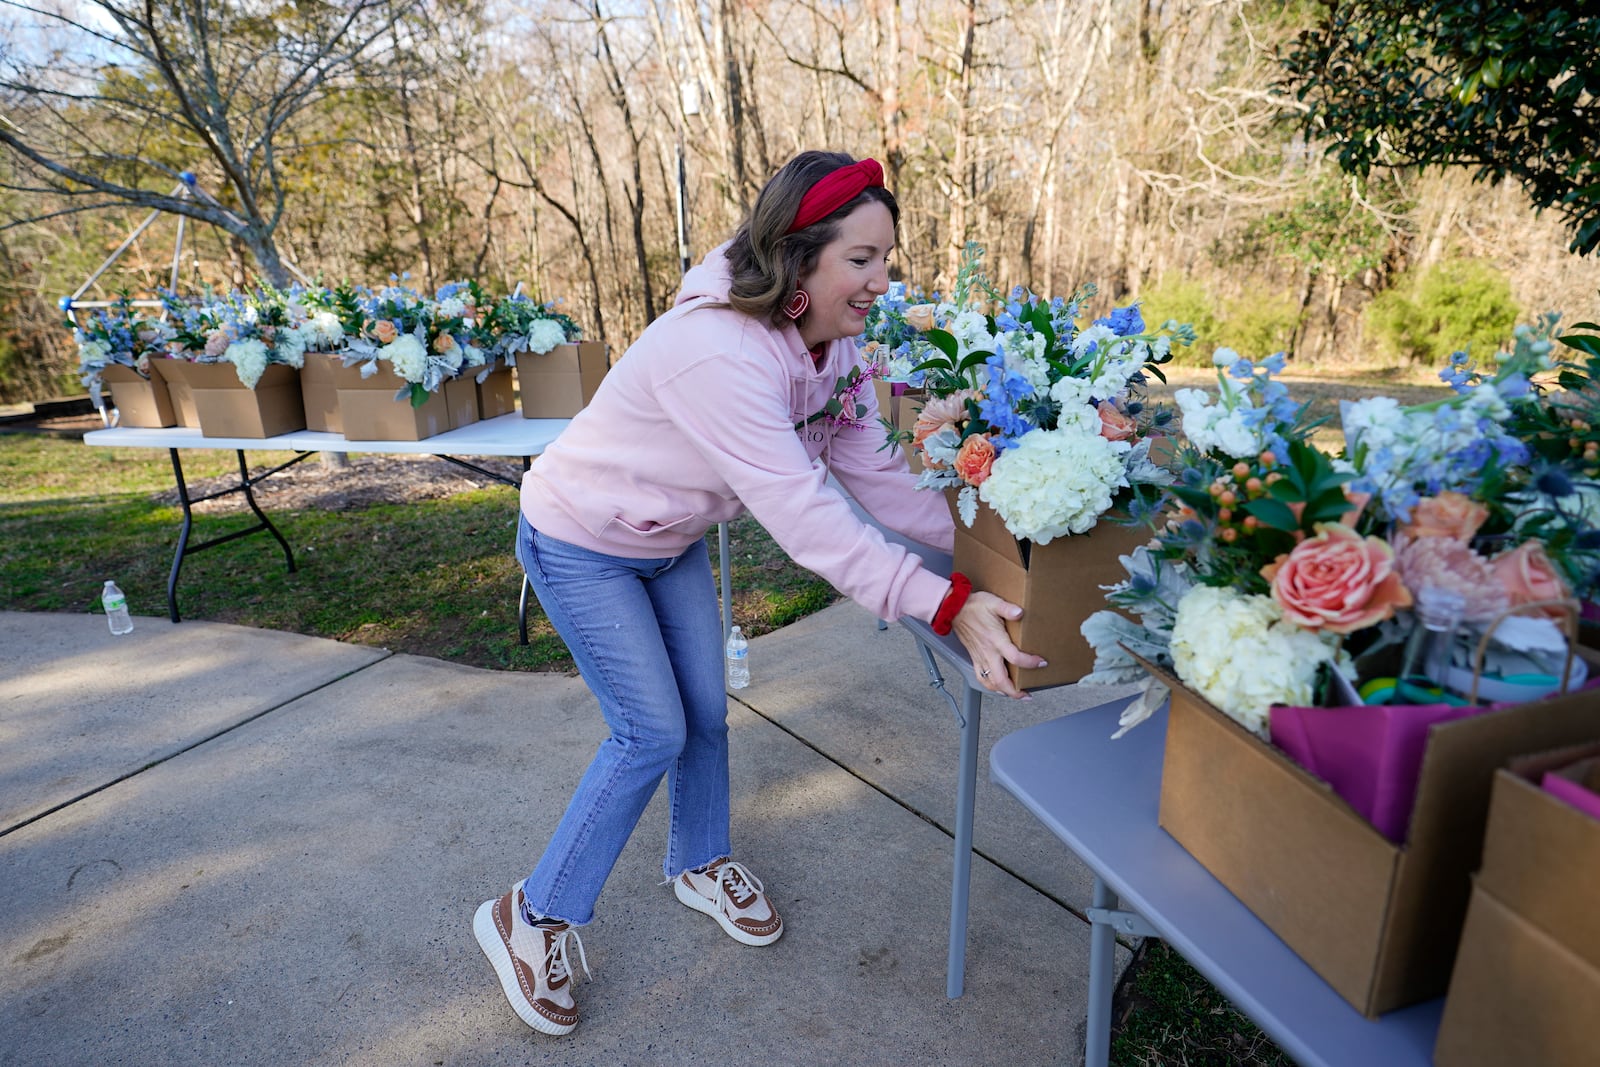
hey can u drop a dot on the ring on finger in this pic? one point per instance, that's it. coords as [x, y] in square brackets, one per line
[984, 673]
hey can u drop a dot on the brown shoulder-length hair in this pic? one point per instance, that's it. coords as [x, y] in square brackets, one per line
[764, 260]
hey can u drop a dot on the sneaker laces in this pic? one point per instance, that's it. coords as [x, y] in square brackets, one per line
[735, 876]
[556, 957]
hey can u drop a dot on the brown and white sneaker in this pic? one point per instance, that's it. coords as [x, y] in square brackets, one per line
[733, 896]
[531, 962]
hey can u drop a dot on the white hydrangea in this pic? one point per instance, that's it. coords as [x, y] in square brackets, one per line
[1071, 392]
[545, 334]
[249, 359]
[1236, 650]
[451, 308]
[91, 352]
[1055, 482]
[1217, 428]
[406, 354]
[291, 346]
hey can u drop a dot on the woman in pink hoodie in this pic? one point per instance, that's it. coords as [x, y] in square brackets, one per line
[709, 414]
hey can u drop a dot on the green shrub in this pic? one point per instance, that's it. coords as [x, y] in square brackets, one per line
[1190, 300]
[1458, 304]
[1259, 326]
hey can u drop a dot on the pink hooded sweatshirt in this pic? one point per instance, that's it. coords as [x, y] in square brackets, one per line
[697, 422]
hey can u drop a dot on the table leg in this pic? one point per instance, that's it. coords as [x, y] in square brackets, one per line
[522, 612]
[1102, 970]
[183, 536]
[961, 878]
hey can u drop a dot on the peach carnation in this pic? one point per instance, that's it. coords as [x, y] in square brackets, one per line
[1337, 581]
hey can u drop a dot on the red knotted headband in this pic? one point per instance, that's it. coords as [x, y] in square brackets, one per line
[834, 190]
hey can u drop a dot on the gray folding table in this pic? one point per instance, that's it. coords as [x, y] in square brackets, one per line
[1101, 798]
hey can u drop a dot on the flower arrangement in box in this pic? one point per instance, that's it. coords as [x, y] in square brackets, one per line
[1027, 411]
[424, 341]
[521, 324]
[1388, 574]
[116, 335]
[250, 329]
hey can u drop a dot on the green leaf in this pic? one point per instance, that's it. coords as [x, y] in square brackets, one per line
[1589, 344]
[973, 359]
[1273, 513]
[944, 341]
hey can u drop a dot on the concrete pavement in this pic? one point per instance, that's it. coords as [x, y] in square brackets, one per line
[223, 845]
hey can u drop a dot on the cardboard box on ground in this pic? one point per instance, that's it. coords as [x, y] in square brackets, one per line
[1526, 984]
[562, 381]
[227, 408]
[1378, 921]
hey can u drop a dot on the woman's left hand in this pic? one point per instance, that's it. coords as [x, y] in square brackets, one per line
[981, 626]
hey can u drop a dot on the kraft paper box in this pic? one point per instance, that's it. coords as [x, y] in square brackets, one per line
[901, 411]
[1378, 921]
[228, 409]
[460, 401]
[560, 383]
[178, 391]
[497, 393]
[321, 378]
[1056, 585]
[1526, 985]
[375, 415]
[139, 401]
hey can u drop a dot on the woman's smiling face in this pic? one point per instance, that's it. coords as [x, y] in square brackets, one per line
[851, 273]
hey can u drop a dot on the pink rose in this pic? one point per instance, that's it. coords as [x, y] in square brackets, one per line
[1115, 425]
[1337, 581]
[1528, 576]
[975, 458]
[1449, 514]
[920, 317]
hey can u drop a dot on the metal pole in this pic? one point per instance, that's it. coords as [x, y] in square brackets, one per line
[683, 209]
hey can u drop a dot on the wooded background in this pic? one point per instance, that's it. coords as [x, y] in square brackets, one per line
[1149, 146]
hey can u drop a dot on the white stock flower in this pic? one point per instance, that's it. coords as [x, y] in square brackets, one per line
[249, 359]
[1091, 336]
[1373, 422]
[1070, 392]
[1216, 428]
[971, 331]
[406, 354]
[1054, 482]
[1236, 650]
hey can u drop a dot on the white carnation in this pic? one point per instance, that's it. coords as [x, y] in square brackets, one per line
[1236, 650]
[1055, 482]
[406, 354]
[249, 359]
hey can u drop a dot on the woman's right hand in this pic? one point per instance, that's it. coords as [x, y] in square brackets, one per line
[981, 627]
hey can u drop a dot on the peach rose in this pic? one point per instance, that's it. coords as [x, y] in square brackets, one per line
[1449, 514]
[975, 458]
[384, 331]
[1337, 581]
[920, 317]
[443, 343]
[1528, 576]
[1115, 425]
[216, 343]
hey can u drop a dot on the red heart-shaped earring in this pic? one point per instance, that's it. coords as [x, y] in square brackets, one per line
[797, 304]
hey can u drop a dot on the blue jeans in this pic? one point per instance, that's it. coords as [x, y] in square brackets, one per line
[647, 637]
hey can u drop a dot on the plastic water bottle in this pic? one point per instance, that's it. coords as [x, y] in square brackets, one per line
[116, 606]
[738, 660]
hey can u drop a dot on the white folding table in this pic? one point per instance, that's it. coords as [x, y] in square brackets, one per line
[1101, 798]
[506, 435]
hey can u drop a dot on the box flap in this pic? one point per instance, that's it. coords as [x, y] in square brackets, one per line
[1445, 839]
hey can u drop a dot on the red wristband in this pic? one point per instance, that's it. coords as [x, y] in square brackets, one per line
[960, 589]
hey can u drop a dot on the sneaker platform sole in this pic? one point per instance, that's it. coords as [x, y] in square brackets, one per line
[690, 899]
[499, 954]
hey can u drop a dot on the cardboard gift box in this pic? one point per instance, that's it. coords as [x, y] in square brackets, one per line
[1057, 586]
[321, 378]
[1526, 984]
[140, 401]
[901, 410]
[1379, 921]
[460, 401]
[227, 408]
[497, 394]
[560, 383]
[178, 391]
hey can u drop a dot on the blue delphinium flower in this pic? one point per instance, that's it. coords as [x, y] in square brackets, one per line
[999, 407]
[1124, 322]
